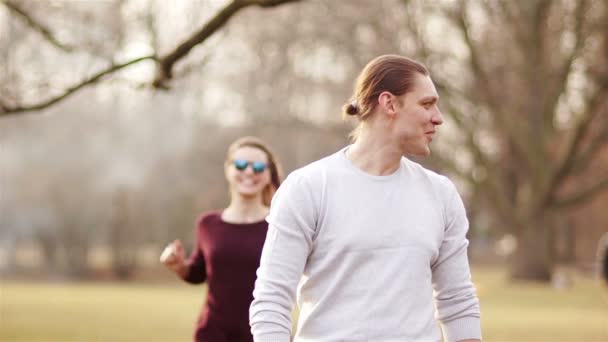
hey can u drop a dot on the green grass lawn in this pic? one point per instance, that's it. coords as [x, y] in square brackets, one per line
[98, 312]
[140, 312]
[535, 312]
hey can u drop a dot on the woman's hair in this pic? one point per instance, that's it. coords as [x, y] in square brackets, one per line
[273, 164]
[392, 73]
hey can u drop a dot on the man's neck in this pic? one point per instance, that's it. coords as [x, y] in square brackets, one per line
[374, 155]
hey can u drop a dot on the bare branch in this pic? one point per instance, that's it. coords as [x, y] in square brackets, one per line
[339, 129]
[487, 186]
[443, 87]
[444, 162]
[557, 87]
[37, 26]
[412, 24]
[192, 67]
[509, 126]
[594, 106]
[7, 110]
[537, 70]
[541, 14]
[582, 195]
[494, 177]
[265, 3]
[165, 65]
[519, 31]
[567, 163]
[596, 144]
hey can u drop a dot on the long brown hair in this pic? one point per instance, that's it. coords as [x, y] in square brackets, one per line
[393, 73]
[274, 167]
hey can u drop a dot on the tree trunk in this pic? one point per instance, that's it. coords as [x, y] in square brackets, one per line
[122, 238]
[76, 247]
[49, 244]
[532, 258]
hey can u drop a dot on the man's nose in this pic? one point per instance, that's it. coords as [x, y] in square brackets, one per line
[437, 118]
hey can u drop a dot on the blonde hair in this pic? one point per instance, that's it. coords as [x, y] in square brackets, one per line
[392, 73]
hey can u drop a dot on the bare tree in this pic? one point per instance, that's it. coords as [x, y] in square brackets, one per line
[164, 63]
[530, 108]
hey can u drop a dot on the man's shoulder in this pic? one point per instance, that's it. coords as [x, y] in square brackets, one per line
[439, 184]
[316, 169]
[421, 171]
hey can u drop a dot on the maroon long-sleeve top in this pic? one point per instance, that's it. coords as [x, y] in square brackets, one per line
[226, 256]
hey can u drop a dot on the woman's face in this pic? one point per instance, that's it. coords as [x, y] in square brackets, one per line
[248, 172]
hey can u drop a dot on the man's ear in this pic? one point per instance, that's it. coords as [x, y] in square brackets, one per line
[388, 103]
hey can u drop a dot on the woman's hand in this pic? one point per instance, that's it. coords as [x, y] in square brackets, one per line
[174, 258]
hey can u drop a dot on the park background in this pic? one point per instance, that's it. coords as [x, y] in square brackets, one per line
[115, 117]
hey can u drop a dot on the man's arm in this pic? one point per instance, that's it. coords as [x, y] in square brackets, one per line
[288, 244]
[457, 304]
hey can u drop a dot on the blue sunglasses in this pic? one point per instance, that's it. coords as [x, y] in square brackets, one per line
[257, 167]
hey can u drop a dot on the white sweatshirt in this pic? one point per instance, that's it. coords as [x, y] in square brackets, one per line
[373, 258]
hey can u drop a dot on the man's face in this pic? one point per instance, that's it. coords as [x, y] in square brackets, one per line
[417, 118]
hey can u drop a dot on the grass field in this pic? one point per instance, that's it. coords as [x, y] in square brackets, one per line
[141, 312]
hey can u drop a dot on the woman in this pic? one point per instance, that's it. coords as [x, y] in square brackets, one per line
[229, 244]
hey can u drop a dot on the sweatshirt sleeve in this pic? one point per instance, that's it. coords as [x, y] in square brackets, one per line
[197, 272]
[292, 222]
[457, 304]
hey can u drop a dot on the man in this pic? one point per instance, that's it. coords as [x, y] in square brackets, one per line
[374, 243]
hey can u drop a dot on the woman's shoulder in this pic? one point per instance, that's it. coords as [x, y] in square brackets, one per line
[209, 218]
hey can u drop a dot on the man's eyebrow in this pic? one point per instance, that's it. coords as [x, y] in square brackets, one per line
[432, 98]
